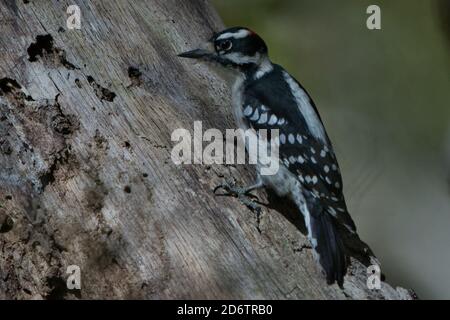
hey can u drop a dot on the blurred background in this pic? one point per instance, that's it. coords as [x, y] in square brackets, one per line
[384, 96]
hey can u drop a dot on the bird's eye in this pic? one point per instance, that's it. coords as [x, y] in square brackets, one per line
[225, 45]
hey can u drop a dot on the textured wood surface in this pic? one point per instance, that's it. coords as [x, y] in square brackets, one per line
[86, 176]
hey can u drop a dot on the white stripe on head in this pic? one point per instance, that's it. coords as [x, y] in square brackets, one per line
[242, 33]
[239, 58]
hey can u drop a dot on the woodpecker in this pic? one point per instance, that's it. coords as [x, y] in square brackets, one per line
[266, 96]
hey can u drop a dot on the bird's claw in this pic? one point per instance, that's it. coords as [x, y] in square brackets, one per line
[244, 196]
[233, 190]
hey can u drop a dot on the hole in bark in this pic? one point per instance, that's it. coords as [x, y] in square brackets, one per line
[48, 177]
[58, 288]
[8, 85]
[43, 47]
[134, 72]
[44, 43]
[101, 92]
[127, 189]
[26, 291]
[135, 76]
[5, 147]
[6, 223]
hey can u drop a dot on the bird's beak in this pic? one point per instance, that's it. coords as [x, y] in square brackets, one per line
[205, 52]
[195, 54]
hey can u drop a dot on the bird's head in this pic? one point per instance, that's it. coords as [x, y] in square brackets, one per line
[235, 48]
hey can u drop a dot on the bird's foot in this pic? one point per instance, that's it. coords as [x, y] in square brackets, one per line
[231, 189]
[244, 196]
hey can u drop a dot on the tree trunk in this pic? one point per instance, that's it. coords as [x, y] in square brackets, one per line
[86, 176]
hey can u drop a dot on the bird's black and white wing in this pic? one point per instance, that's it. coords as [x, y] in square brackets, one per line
[277, 101]
[305, 148]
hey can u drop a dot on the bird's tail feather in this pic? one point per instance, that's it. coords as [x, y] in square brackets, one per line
[328, 245]
[323, 233]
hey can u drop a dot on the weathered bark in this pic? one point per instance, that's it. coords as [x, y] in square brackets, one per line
[86, 177]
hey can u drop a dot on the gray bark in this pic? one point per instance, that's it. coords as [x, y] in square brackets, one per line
[86, 177]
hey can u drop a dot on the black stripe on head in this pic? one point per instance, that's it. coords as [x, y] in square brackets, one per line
[243, 41]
